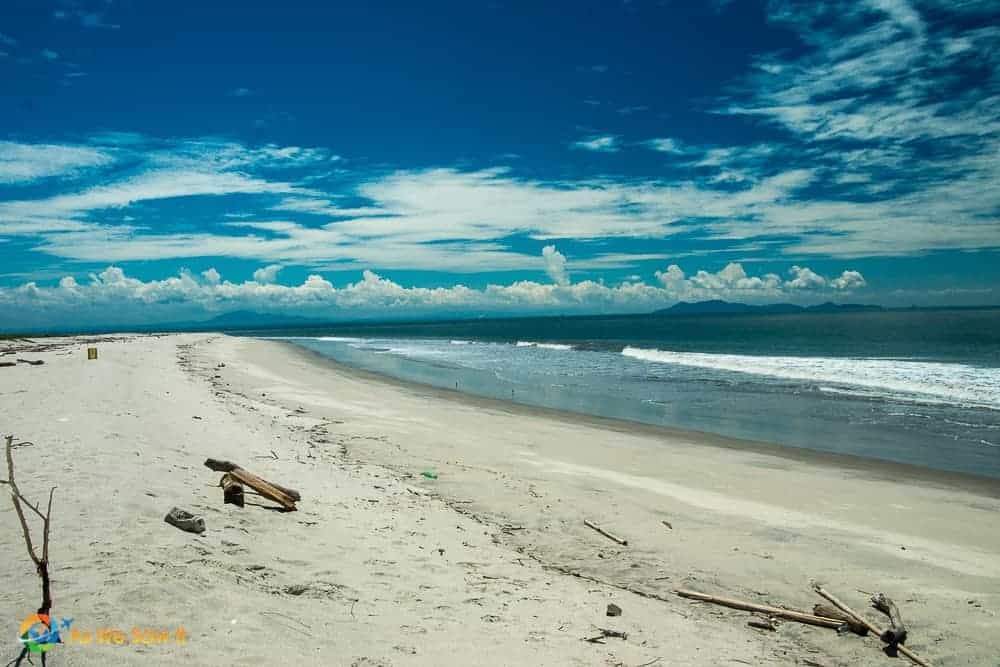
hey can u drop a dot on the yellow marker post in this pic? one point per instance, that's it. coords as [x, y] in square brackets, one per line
[91, 353]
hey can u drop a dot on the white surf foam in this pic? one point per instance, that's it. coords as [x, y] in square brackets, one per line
[954, 383]
[547, 346]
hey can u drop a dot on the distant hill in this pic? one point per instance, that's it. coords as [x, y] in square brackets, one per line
[718, 307]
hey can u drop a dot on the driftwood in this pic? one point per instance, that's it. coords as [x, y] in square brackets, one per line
[830, 611]
[232, 490]
[896, 632]
[282, 495]
[768, 624]
[5, 364]
[32, 362]
[41, 562]
[613, 538]
[871, 626]
[228, 466]
[605, 633]
[788, 614]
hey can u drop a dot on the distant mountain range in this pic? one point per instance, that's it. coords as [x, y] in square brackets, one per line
[248, 319]
[718, 307]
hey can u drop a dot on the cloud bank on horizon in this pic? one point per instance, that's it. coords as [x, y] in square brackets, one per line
[860, 139]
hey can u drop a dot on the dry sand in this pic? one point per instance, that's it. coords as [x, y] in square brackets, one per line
[382, 566]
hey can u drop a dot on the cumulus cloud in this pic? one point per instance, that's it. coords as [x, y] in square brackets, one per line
[267, 274]
[112, 297]
[732, 283]
[555, 265]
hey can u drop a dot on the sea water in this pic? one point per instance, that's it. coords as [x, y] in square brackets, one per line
[919, 387]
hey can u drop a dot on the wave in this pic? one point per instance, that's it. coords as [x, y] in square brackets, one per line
[547, 346]
[952, 382]
[340, 339]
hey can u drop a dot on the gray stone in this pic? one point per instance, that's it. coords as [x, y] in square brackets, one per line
[614, 610]
[185, 520]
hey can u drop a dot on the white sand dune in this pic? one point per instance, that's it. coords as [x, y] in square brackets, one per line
[382, 566]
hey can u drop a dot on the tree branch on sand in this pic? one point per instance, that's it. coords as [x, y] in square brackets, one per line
[41, 562]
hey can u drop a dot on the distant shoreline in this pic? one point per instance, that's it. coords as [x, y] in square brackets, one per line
[864, 466]
[277, 322]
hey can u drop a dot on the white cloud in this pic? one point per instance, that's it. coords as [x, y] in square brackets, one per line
[555, 265]
[25, 163]
[267, 274]
[211, 276]
[598, 144]
[666, 145]
[111, 296]
[849, 280]
[805, 278]
[732, 283]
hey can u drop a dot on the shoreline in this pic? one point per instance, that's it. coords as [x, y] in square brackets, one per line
[865, 466]
[488, 560]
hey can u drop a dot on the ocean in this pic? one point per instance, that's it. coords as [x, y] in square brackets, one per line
[917, 387]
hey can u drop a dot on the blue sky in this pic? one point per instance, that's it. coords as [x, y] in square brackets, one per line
[171, 161]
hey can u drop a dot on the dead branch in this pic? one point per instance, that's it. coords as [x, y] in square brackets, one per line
[830, 611]
[605, 633]
[871, 626]
[41, 562]
[896, 632]
[789, 614]
[613, 538]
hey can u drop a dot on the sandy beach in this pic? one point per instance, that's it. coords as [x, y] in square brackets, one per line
[488, 564]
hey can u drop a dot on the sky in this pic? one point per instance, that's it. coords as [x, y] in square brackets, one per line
[165, 162]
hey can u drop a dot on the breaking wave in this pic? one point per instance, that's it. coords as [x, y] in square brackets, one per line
[951, 382]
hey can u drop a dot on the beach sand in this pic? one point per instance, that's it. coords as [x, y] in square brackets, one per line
[383, 566]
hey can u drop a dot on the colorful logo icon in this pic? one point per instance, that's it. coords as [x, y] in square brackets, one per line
[40, 632]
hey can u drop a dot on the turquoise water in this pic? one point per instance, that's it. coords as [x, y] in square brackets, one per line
[916, 387]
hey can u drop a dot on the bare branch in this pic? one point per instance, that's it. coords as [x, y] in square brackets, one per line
[16, 498]
[41, 564]
[45, 529]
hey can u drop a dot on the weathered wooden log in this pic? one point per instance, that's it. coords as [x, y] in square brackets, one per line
[789, 614]
[264, 488]
[219, 465]
[896, 632]
[613, 538]
[829, 611]
[232, 490]
[917, 660]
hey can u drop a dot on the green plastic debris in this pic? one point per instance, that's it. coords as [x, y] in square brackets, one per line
[429, 475]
